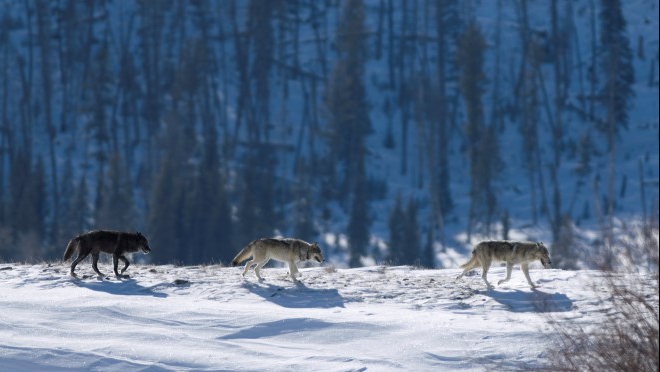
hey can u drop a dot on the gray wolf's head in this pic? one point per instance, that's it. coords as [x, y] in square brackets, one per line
[143, 243]
[315, 253]
[543, 255]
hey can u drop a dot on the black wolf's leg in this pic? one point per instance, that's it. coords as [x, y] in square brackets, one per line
[81, 256]
[126, 263]
[95, 261]
[115, 263]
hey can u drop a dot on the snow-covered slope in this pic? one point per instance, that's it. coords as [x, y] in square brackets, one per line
[207, 318]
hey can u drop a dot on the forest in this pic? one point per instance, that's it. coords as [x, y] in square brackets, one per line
[207, 124]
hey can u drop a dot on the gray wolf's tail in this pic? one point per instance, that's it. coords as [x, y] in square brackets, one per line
[70, 248]
[243, 255]
[472, 262]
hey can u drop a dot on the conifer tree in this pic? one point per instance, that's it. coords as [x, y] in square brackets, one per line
[482, 144]
[412, 241]
[80, 214]
[397, 230]
[115, 206]
[617, 92]
[166, 199]
[358, 223]
[427, 258]
[346, 101]
[304, 213]
[207, 220]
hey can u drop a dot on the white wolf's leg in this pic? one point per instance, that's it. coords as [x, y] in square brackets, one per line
[509, 267]
[525, 269]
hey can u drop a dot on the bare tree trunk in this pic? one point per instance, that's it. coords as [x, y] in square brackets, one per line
[44, 45]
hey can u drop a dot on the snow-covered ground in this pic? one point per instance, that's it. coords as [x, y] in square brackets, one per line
[208, 318]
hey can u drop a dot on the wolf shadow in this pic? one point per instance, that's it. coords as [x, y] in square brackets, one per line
[536, 301]
[298, 296]
[125, 287]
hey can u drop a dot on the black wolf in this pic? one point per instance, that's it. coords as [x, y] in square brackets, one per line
[117, 243]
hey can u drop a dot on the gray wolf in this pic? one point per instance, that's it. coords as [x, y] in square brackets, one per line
[512, 253]
[117, 243]
[281, 249]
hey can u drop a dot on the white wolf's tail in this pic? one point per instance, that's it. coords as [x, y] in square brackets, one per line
[243, 255]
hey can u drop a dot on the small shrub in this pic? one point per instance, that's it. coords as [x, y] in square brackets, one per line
[626, 341]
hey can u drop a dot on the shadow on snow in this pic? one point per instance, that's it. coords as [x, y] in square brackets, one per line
[535, 301]
[297, 296]
[124, 287]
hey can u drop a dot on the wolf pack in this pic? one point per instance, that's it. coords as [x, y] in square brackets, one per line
[292, 251]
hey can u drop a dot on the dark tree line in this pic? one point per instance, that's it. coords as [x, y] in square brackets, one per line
[207, 124]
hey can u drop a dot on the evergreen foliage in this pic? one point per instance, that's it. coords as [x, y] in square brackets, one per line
[616, 63]
[207, 124]
[482, 142]
[405, 241]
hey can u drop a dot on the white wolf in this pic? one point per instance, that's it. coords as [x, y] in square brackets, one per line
[281, 249]
[512, 253]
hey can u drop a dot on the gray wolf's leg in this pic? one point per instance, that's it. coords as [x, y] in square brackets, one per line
[474, 262]
[293, 270]
[525, 269]
[95, 261]
[509, 267]
[484, 274]
[248, 265]
[258, 267]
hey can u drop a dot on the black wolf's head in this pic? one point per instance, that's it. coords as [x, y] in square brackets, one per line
[143, 243]
[543, 255]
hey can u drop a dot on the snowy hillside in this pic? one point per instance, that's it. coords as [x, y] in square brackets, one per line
[198, 122]
[206, 318]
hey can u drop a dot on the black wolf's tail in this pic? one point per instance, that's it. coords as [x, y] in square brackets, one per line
[70, 248]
